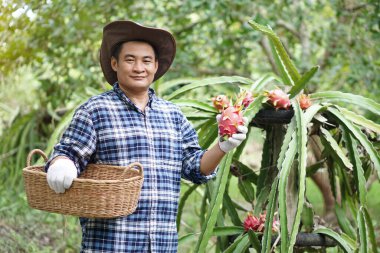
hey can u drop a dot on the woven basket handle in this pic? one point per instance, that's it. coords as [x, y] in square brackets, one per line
[35, 151]
[133, 165]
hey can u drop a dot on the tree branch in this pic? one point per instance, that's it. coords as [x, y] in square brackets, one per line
[266, 48]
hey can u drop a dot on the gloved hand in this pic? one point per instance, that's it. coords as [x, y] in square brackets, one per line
[60, 175]
[236, 139]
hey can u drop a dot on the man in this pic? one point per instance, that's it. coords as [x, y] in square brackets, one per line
[131, 124]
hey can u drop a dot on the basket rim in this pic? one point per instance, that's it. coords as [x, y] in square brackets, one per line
[82, 180]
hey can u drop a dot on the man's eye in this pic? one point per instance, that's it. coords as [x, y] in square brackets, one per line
[129, 60]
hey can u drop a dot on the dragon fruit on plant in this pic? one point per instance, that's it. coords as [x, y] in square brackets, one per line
[221, 102]
[251, 223]
[304, 101]
[230, 119]
[258, 224]
[244, 99]
[279, 99]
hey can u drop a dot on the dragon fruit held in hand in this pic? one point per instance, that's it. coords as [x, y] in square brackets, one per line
[279, 99]
[221, 102]
[230, 119]
[305, 101]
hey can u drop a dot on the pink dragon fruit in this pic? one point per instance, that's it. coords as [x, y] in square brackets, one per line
[279, 99]
[244, 99]
[258, 224]
[221, 102]
[230, 119]
[251, 223]
[305, 101]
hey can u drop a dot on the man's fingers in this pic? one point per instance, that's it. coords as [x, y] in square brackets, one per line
[218, 117]
[58, 186]
[240, 137]
[234, 142]
[67, 181]
[242, 129]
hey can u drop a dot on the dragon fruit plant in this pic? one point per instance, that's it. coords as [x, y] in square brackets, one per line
[349, 151]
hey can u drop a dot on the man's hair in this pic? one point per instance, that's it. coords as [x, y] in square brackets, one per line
[115, 52]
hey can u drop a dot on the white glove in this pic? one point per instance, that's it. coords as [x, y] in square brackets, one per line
[60, 175]
[236, 139]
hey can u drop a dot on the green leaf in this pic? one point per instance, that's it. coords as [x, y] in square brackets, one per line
[182, 202]
[246, 173]
[164, 87]
[334, 235]
[209, 81]
[307, 217]
[360, 120]
[285, 77]
[337, 96]
[333, 146]
[243, 245]
[195, 104]
[231, 210]
[301, 83]
[262, 190]
[198, 116]
[370, 229]
[360, 181]
[186, 238]
[357, 134]
[311, 112]
[262, 82]
[247, 191]
[216, 201]
[344, 222]
[208, 133]
[302, 156]
[267, 236]
[362, 232]
[285, 161]
[289, 69]
[238, 240]
[227, 230]
[255, 242]
[311, 169]
[58, 130]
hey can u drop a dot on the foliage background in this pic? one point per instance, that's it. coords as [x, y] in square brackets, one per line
[49, 64]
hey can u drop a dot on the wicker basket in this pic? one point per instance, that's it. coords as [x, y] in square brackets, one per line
[101, 191]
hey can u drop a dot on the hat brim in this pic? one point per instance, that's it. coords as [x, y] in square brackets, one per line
[123, 31]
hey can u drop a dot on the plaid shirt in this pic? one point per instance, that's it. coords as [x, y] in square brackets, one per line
[110, 129]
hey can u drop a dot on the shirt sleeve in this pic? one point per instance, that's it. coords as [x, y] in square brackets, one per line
[192, 154]
[78, 142]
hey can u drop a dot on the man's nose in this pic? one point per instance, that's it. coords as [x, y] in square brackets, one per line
[138, 66]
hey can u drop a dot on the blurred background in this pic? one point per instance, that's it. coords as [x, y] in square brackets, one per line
[49, 65]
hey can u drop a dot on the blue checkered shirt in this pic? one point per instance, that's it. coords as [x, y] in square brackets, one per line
[110, 129]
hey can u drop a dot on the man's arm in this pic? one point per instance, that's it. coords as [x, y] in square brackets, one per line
[211, 159]
[213, 156]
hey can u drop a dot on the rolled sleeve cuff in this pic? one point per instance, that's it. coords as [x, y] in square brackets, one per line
[193, 172]
[55, 155]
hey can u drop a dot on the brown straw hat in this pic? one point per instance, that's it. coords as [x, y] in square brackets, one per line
[122, 31]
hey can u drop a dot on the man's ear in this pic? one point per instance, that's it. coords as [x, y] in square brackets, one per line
[156, 63]
[114, 63]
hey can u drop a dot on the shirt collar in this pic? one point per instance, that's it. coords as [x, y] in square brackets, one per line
[121, 94]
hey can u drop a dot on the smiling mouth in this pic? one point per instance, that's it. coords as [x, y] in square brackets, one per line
[138, 77]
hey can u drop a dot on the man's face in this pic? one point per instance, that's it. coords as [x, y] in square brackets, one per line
[135, 67]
